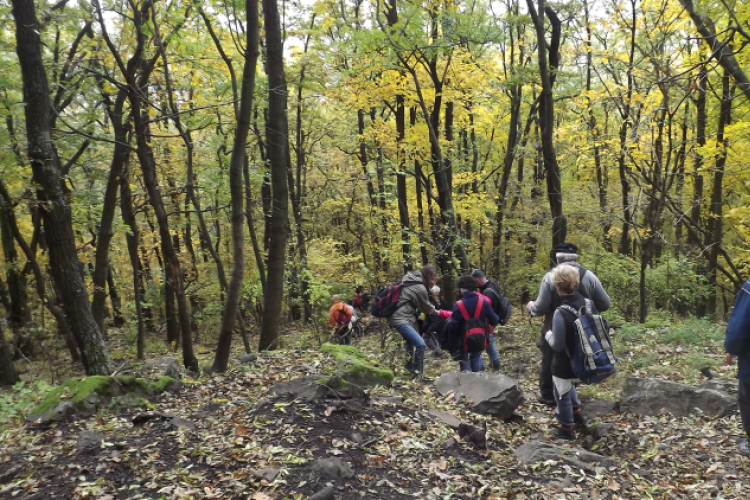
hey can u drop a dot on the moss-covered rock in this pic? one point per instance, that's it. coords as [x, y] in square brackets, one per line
[85, 396]
[355, 367]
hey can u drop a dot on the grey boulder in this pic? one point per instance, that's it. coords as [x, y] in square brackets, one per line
[537, 451]
[647, 396]
[492, 394]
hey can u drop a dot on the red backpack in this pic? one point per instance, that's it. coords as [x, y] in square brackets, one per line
[475, 328]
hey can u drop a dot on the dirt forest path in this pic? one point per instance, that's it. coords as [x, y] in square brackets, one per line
[227, 437]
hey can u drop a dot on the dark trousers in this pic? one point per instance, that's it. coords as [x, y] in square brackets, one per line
[743, 402]
[546, 386]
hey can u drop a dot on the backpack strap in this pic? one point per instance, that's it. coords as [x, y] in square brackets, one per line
[566, 307]
[480, 303]
[463, 310]
[587, 305]
[585, 345]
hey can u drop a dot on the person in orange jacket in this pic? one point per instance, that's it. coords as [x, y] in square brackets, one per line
[342, 319]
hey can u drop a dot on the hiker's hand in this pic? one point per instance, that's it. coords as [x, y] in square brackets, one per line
[728, 359]
[529, 305]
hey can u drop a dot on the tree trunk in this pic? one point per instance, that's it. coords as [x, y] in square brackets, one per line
[715, 225]
[236, 187]
[625, 115]
[8, 373]
[547, 74]
[132, 239]
[278, 145]
[106, 232]
[401, 194]
[52, 195]
[418, 189]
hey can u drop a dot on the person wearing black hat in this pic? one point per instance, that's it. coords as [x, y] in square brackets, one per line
[546, 303]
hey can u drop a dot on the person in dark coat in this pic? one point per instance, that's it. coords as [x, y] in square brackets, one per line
[737, 345]
[471, 361]
[546, 303]
[491, 290]
[561, 339]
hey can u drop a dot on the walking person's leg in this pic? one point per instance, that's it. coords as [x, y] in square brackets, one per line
[475, 358]
[546, 386]
[492, 353]
[743, 402]
[564, 411]
[415, 342]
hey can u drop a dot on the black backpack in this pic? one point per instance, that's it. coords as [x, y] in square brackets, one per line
[386, 300]
[592, 358]
[504, 305]
[475, 330]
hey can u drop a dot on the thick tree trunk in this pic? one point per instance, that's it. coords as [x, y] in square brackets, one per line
[236, 188]
[52, 195]
[278, 145]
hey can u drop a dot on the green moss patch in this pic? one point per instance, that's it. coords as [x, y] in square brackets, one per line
[87, 392]
[355, 367]
[343, 352]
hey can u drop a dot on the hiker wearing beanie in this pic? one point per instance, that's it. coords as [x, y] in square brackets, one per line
[464, 310]
[547, 302]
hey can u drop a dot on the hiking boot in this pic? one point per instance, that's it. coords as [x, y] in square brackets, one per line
[545, 401]
[744, 448]
[496, 366]
[560, 433]
[419, 364]
[580, 421]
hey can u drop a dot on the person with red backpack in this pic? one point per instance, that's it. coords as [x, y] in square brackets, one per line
[342, 319]
[470, 324]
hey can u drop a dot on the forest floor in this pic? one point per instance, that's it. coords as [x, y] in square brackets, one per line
[239, 443]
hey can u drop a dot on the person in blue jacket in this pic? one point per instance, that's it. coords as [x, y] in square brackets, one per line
[471, 361]
[737, 345]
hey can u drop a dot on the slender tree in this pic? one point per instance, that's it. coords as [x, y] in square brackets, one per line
[278, 145]
[236, 188]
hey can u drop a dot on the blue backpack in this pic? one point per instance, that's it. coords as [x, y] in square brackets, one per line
[592, 358]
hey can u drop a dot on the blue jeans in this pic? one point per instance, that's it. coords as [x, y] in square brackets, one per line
[567, 404]
[471, 362]
[492, 350]
[414, 341]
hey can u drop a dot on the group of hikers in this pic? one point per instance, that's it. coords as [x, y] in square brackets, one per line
[424, 320]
